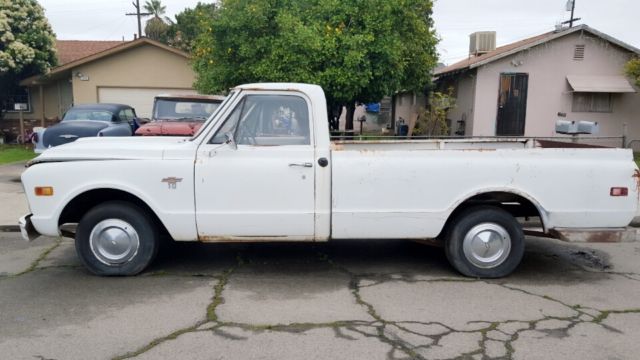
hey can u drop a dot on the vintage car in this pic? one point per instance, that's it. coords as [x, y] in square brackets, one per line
[264, 168]
[88, 120]
[179, 115]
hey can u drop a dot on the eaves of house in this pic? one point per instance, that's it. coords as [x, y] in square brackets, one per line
[516, 47]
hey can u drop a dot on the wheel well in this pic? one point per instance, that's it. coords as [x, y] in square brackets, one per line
[81, 204]
[516, 205]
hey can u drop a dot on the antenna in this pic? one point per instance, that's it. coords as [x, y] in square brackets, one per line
[571, 6]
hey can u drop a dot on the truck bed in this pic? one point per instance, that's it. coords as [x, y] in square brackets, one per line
[408, 188]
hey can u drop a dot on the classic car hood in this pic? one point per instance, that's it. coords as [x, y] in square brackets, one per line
[120, 148]
[68, 131]
[169, 127]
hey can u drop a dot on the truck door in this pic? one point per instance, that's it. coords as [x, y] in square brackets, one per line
[254, 176]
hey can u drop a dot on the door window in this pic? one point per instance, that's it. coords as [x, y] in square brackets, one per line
[268, 120]
[129, 114]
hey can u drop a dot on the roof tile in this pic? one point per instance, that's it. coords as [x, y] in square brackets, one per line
[72, 50]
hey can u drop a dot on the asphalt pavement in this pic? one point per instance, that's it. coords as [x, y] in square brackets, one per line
[366, 299]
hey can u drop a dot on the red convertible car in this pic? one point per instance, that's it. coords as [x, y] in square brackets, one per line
[179, 115]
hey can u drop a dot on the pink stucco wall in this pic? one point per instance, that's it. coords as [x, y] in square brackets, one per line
[549, 92]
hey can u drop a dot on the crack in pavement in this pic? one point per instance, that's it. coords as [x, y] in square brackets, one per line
[393, 333]
[34, 264]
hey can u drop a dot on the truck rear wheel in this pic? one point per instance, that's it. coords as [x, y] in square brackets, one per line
[484, 242]
[116, 238]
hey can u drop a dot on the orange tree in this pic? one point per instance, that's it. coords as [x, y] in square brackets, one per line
[357, 50]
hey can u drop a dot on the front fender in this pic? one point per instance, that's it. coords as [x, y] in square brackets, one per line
[174, 207]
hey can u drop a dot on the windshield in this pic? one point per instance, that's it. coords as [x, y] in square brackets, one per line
[88, 114]
[169, 109]
[221, 106]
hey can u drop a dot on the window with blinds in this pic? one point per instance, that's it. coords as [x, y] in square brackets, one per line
[592, 102]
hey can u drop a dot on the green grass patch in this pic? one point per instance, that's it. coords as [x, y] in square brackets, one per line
[15, 153]
[636, 157]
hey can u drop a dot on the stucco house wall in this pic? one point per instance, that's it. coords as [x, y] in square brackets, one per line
[407, 107]
[464, 92]
[146, 66]
[549, 92]
[138, 65]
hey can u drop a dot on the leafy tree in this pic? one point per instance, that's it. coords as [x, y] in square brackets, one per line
[632, 69]
[157, 27]
[433, 120]
[357, 50]
[189, 23]
[26, 44]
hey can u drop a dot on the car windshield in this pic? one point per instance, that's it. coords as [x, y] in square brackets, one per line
[88, 114]
[169, 109]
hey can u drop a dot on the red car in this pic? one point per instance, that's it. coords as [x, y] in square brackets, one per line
[179, 115]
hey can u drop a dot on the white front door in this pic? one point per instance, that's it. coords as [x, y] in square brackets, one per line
[261, 186]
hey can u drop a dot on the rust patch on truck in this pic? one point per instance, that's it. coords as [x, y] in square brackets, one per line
[636, 177]
[247, 239]
[587, 236]
[477, 150]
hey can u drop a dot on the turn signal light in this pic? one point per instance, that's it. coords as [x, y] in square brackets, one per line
[44, 191]
[619, 191]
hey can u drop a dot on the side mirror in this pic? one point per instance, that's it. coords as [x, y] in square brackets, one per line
[230, 140]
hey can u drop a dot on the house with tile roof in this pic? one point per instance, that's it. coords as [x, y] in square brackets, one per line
[130, 73]
[523, 88]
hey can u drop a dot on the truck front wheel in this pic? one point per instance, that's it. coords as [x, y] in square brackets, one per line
[116, 238]
[484, 242]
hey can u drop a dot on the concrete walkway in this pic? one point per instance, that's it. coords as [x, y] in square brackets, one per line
[13, 203]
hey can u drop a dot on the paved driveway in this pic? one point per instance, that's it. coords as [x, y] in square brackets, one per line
[344, 300]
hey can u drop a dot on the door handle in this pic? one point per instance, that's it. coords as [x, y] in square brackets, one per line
[307, 164]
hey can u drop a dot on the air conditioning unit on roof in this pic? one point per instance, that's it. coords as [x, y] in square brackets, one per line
[482, 42]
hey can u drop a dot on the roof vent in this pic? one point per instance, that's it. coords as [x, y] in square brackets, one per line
[482, 42]
[578, 53]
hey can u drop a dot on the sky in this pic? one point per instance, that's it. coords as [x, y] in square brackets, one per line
[513, 20]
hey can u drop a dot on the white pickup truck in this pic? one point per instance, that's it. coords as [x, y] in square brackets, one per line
[263, 168]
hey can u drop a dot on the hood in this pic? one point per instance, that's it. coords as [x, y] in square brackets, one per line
[170, 128]
[120, 148]
[68, 131]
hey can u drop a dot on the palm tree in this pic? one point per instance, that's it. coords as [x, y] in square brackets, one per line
[156, 27]
[156, 9]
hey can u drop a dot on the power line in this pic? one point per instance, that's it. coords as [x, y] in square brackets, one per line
[139, 15]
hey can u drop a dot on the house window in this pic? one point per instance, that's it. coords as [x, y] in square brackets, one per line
[592, 102]
[578, 53]
[21, 95]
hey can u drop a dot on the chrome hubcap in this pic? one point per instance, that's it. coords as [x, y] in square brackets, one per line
[114, 242]
[487, 245]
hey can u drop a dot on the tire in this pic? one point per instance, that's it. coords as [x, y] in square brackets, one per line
[116, 238]
[484, 242]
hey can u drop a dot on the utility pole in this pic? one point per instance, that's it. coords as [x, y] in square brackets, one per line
[139, 15]
[571, 6]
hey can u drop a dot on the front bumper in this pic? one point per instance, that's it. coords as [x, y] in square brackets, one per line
[27, 230]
